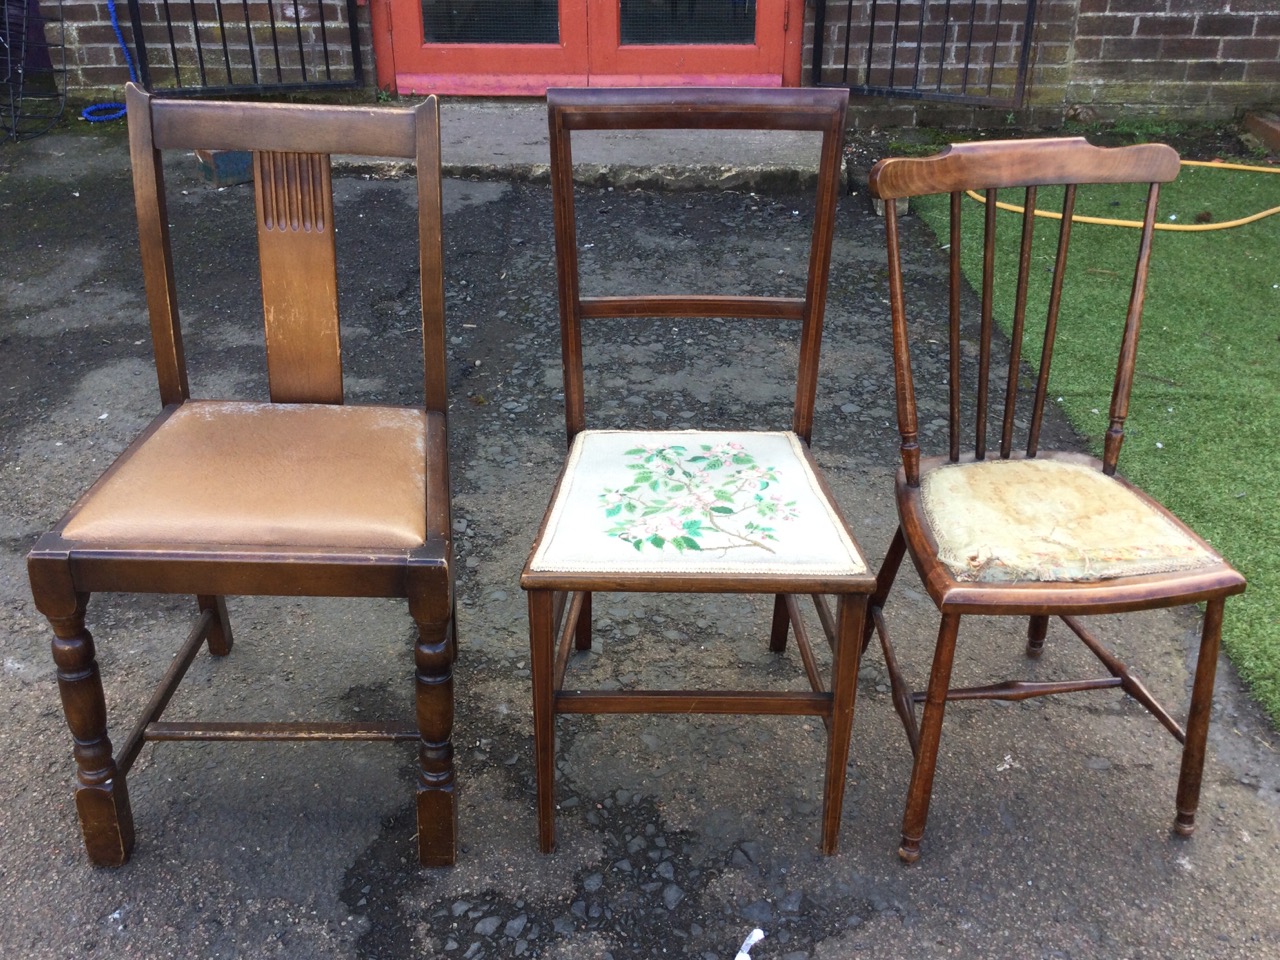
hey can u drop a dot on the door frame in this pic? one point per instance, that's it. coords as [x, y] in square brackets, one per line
[530, 69]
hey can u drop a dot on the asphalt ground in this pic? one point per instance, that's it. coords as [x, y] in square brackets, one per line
[1049, 834]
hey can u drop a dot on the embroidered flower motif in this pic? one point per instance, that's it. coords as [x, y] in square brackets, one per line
[714, 499]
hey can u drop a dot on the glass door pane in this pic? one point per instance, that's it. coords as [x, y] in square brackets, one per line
[672, 22]
[491, 21]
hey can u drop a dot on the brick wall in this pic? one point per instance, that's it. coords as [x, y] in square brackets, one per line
[1197, 57]
[1191, 59]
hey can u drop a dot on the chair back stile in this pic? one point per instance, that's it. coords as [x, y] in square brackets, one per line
[676, 109]
[1068, 161]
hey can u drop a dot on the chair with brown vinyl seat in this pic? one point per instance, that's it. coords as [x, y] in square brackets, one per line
[1015, 529]
[694, 511]
[298, 496]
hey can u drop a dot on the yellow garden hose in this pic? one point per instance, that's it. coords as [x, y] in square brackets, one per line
[1181, 227]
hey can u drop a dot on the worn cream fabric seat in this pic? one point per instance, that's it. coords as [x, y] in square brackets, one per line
[1049, 520]
[270, 474]
[693, 502]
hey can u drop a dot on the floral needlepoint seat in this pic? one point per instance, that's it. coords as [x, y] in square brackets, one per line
[692, 501]
[1049, 520]
[695, 511]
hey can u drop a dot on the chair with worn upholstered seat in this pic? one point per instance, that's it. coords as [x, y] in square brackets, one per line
[694, 511]
[298, 496]
[1015, 529]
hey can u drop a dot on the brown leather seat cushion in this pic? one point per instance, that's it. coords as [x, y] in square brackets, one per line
[267, 474]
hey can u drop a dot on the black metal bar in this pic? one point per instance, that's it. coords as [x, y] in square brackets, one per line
[222, 32]
[195, 32]
[297, 25]
[275, 42]
[248, 33]
[324, 39]
[942, 46]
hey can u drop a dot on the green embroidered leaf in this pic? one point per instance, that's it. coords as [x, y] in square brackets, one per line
[629, 507]
[714, 463]
[657, 541]
[644, 477]
[698, 459]
[743, 459]
[686, 543]
[724, 496]
[634, 452]
[638, 544]
[722, 510]
[613, 511]
[693, 526]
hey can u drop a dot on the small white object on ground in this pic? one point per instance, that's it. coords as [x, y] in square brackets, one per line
[754, 937]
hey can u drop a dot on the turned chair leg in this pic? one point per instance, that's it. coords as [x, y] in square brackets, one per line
[1037, 630]
[1197, 732]
[781, 625]
[921, 788]
[431, 606]
[542, 666]
[219, 637]
[102, 797]
[851, 611]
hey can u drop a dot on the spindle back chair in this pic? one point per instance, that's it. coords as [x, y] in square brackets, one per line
[1013, 528]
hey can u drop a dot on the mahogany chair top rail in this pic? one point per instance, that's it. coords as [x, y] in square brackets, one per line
[817, 110]
[291, 145]
[987, 168]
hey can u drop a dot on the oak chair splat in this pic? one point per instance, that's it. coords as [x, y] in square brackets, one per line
[1010, 528]
[577, 554]
[300, 496]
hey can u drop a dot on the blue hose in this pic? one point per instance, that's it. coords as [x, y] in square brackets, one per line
[101, 112]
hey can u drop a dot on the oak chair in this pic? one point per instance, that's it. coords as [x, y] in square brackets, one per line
[638, 511]
[1017, 530]
[300, 496]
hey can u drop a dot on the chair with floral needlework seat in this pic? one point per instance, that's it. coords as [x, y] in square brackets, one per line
[1031, 532]
[301, 496]
[695, 511]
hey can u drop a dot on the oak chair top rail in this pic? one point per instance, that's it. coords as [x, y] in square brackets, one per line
[995, 164]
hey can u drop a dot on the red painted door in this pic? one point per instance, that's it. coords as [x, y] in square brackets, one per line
[526, 46]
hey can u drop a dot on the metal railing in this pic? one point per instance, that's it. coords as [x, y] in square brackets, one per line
[960, 51]
[187, 47]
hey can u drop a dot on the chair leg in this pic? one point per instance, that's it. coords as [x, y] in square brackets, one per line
[1037, 630]
[219, 637]
[431, 606]
[851, 611]
[884, 581]
[102, 796]
[1198, 719]
[542, 666]
[921, 789]
[582, 632]
[781, 625]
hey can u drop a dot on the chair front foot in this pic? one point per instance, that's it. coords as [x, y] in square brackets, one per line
[1184, 825]
[909, 850]
[1037, 630]
[437, 820]
[106, 820]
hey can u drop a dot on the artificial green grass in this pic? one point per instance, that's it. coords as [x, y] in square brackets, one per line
[1203, 434]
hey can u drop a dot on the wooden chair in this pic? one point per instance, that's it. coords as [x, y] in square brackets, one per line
[1031, 532]
[588, 541]
[301, 496]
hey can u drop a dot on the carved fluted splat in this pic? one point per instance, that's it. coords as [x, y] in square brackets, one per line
[299, 270]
